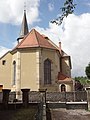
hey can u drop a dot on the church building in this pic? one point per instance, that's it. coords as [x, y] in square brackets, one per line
[35, 63]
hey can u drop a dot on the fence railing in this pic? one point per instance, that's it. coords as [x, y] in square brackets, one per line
[59, 96]
[1, 97]
[35, 96]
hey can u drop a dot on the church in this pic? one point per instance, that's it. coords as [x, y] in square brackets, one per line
[35, 63]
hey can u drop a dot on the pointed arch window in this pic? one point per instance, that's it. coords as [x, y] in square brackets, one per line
[47, 71]
[14, 72]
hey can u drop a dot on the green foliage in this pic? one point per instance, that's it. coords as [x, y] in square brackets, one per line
[87, 71]
[67, 9]
[82, 80]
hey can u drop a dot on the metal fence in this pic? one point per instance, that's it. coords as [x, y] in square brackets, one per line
[59, 96]
[1, 97]
[35, 96]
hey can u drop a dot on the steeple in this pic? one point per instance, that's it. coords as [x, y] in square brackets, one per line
[24, 27]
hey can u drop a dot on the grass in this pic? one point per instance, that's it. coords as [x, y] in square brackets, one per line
[20, 114]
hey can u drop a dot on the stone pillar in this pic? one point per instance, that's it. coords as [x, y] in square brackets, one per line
[43, 94]
[5, 98]
[18, 76]
[25, 97]
[37, 68]
[43, 98]
[88, 99]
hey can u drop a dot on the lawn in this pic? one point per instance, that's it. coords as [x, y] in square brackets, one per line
[20, 114]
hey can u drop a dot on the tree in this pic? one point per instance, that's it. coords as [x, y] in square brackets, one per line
[79, 83]
[67, 9]
[81, 79]
[87, 71]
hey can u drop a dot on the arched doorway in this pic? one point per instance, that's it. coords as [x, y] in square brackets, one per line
[63, 88]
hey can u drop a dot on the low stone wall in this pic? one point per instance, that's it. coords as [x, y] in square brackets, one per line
[53, 99]
[56, 105]
[77, 105]
[68, 105]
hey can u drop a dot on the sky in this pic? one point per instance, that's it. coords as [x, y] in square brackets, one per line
[74, 33]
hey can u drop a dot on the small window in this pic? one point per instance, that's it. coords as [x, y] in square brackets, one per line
[3, 62]
[14, 72]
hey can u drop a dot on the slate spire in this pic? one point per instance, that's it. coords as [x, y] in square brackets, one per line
[24, 27]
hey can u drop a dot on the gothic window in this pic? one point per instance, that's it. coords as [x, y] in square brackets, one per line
[47, 71]
[63, 88]
[14, 72]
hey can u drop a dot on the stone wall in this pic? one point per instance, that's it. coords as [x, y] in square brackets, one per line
[54, 99]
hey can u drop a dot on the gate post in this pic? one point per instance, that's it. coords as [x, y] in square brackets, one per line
[25, 97]
[43, 98]
[5, 98]
[88, 99]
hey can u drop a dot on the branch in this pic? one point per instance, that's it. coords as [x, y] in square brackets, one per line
[67, 9]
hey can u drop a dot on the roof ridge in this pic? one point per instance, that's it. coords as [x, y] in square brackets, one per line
[36, 36]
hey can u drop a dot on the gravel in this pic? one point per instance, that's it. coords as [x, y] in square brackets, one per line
[63, 114]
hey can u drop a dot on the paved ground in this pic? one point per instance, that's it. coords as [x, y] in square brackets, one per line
[63, 114]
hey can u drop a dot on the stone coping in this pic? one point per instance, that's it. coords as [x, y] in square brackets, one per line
[84, 102]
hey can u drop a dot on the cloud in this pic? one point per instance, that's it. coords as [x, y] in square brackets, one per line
[75, 37]
[87, 4]
[51, 7]
[53, 32]
[76, 41]
[3, 50]
[11, 11]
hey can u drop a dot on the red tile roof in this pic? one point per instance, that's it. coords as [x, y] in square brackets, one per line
[62, 77]
[35, 39]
